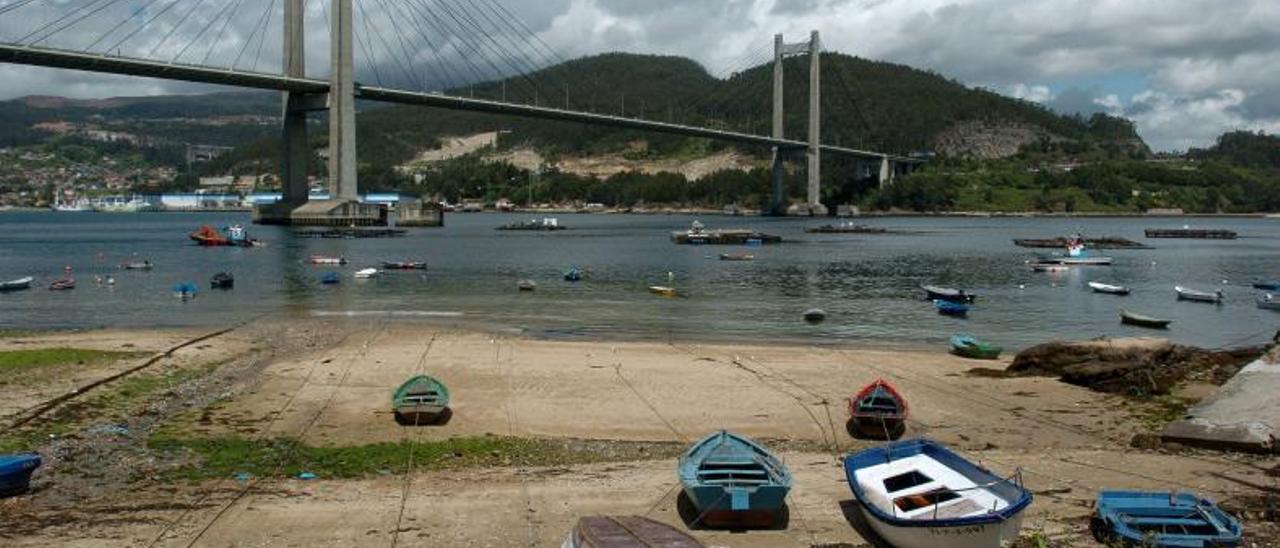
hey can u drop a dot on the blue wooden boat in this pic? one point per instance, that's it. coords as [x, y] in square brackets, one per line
[330, 278]
[933, 292]
[733, 481]
[1166, 520]
[963, 344]
[920, 494]
[15, 472]
[950, 308]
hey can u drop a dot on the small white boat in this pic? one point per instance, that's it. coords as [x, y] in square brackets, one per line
[17, 285]
[328, 260]
[919, 494]
[1268, 301]
[366, 273]
[1099, 287]
[663, 290]
[1186, 294]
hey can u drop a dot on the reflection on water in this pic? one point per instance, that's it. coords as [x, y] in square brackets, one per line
[868, 284]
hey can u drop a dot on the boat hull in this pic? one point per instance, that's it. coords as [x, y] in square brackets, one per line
[17, 285]
[15, 473]
[420, 414]
[724, 507]
[880, 427]
[981, 535]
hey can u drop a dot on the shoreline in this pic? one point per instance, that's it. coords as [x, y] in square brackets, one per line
[600, 421]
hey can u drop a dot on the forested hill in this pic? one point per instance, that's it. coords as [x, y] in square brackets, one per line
[868, 104]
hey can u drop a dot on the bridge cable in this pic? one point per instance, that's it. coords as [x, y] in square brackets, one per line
[436, 53]
[752, 58]
[145, 24]
[519, 28]
[497, 74]
[225, 23]
[249, 41]
[131, 16]
[862, 137]
[390, 51]
[212, 21]
[502, 74]
[194, 6]
[429, 19]
[366, 49]
[88, 9]
[262, 39]
[531, 65]
[404, 47]
[487, 41]
[15, 5]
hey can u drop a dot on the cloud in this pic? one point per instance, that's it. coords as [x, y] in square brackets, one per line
[1194, 54]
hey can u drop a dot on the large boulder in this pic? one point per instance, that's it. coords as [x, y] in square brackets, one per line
[1133, 366]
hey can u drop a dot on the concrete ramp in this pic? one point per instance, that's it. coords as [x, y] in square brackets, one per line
[1244, 415]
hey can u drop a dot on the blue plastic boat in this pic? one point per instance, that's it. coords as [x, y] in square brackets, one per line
[918, 493]
[1267, 285]
[330, 278]
[733, 481]
[950, 308]
[15, 472]
[185, 290]
[1165, 520]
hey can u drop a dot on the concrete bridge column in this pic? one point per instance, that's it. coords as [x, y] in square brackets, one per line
[887, 169]
[342, 107]
[815, 117]
[294, 154]
[778, 205]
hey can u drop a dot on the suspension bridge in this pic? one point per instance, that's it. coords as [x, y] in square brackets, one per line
[435, 49]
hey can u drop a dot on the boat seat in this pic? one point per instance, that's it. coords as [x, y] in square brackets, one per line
[1171, 522]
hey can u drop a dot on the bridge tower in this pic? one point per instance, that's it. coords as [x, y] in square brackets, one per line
[343, 208]
[782, 50]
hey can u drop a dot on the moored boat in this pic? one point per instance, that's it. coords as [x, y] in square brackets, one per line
[138, 265]
[949, 308]
[878, 411]
[63, 284]
[328, 259]
[966, 345]
[626, 532]
[1042, 267]
[737, 257]
[1267, 285]
[573, 275]
[365, 273]
[1268, 301]
[933, 292]
[222, 280]
[1073, 261]
[1187, 294]
[1140, 320]
[422, 399]
[404, 265]
[234, 235]
[17, 285]
[1099, 287]
[919, 494]
[815, 315]
[733, 481]
[526, 285]
[330, 278]
[184, 290]
[663, 290]
[1143, 518]
[15, 472]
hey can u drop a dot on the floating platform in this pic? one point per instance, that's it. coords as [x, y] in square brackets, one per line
[335, 213]
[1191, 233]
[723, 237]
[846, 229]
[351, 233]
[1106, 242]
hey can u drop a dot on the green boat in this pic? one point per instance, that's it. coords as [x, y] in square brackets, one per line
[970, 347]
[421, 400]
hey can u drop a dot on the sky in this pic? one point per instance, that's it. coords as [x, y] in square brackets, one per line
[1184, 71]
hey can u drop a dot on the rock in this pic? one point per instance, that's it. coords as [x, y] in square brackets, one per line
[1130, 366]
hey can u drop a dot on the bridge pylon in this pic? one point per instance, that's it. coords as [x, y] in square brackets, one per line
[813, 151]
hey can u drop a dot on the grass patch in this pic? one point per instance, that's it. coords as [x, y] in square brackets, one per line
[283, 457]
[19, 361]
[1157, 411]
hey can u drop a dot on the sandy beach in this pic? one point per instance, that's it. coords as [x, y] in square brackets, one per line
[327, 385]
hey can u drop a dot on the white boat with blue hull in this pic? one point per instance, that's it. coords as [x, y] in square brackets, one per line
[919, 494]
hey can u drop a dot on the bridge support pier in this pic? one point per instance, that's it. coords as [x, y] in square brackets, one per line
[294, 154]
[778, 203]
[814, 198]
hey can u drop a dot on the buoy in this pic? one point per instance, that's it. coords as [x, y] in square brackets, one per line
[814, 315]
